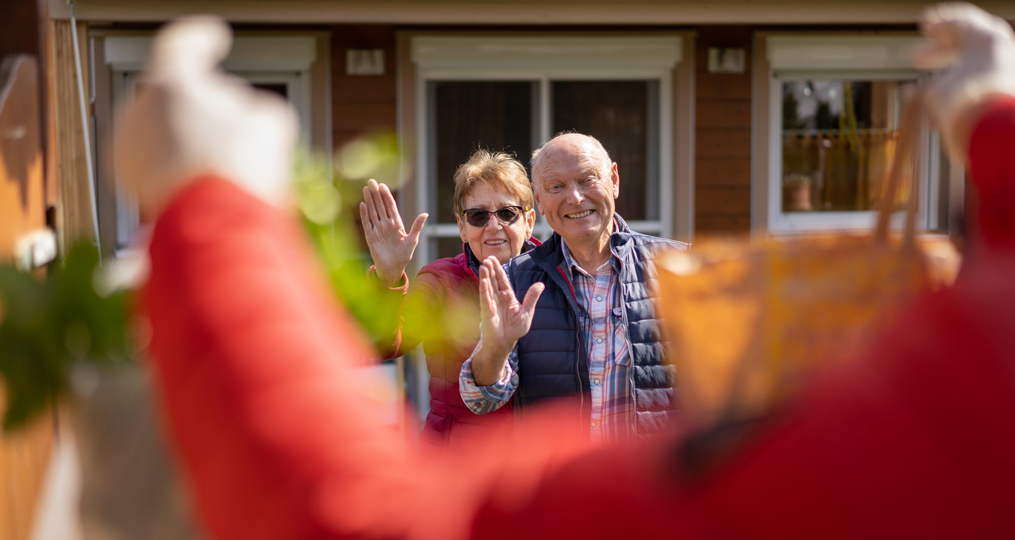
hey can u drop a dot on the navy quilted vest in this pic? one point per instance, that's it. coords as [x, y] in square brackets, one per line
[553, 361]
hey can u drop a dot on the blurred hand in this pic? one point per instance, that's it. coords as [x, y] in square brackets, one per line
[390, 246]
[189, 118]
[504, 319]
[979, 50]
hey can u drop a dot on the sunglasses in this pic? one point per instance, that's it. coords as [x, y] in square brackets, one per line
[477, 217]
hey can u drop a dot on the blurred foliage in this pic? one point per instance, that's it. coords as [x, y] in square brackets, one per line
[50, 324]
[329, 206]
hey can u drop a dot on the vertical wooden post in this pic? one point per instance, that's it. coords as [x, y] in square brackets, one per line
[74, 218]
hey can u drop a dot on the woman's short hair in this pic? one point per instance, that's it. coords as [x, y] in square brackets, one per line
[498, 169]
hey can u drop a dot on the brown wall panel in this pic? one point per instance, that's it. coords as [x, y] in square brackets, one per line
[728, 200]
[723, 143]
[354, 118]
[722, 87]
[712, 224]
[364, 89]
[722, 136]
[724, 171]
[723, 114]
[362, 103]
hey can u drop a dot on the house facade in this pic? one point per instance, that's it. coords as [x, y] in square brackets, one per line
[725, 117]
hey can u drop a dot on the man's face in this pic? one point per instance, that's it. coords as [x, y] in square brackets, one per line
[575, 188]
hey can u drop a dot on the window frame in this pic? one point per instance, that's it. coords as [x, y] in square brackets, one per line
[543, 59]
[300, 60]
[786, 57]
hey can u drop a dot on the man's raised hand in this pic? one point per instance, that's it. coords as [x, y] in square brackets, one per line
[505, 320]
[390, 246]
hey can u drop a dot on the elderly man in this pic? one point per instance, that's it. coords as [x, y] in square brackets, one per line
[586, 334]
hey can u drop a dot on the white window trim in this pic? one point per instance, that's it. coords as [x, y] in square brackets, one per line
[858, 57]
[542, 59]
[259, 59]
[286, 59]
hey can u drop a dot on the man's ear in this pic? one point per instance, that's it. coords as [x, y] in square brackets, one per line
[615, 179]
[461, 230]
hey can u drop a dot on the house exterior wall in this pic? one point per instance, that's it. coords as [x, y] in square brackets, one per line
[723, 136]
[362, 103]
[722, 110]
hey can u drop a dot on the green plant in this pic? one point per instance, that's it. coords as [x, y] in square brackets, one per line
[328, 200]
[50, 324]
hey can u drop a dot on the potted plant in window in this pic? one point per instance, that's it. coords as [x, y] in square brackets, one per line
[796, 192]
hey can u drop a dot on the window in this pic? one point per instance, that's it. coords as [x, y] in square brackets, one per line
[513, 93]
[286, 65]
[834, 104]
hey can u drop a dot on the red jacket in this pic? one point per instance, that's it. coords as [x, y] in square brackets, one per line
[280, 436]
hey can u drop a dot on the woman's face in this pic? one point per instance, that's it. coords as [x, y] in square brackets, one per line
[502, 240]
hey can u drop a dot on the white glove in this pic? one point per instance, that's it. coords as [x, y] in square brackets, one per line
[190, 118]
[979, 50]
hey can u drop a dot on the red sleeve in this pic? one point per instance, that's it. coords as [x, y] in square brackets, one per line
[281, 437]
[992, 170]
[278, 433]
[389, 343]
[256, 369]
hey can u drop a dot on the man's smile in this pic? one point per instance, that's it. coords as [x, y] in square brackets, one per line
[579, 215]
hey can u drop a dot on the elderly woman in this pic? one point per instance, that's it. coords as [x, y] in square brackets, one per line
[495, 214]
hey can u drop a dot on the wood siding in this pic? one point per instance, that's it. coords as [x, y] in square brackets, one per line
[722, 199]
[75, 208]
[361, 103]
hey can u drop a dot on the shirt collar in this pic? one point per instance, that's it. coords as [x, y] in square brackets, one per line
[571, 265]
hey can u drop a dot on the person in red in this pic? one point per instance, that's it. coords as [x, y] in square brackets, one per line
[278, 432]
[494, 209]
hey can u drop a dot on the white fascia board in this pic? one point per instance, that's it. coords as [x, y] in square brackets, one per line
[824, 53]
[249, 53]
[463, 53]
[513, 13]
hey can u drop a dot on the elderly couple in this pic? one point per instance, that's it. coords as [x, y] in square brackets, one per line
[568, 321]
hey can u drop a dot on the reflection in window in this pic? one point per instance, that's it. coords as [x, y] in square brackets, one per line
[838, 141]
[621, 115]
[468, 115]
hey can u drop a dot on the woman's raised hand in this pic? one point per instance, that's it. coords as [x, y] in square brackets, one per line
[390, 246]
[505, 320]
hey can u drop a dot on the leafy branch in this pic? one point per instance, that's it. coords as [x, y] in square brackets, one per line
[50, 324]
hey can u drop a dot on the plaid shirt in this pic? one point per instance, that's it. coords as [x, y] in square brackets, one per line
[599, 299]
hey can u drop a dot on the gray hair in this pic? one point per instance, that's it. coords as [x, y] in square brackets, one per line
[538, 152]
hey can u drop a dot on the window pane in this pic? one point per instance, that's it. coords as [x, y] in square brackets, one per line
[623, 115]
[493, 115]
[282, 89]
[838, 141]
